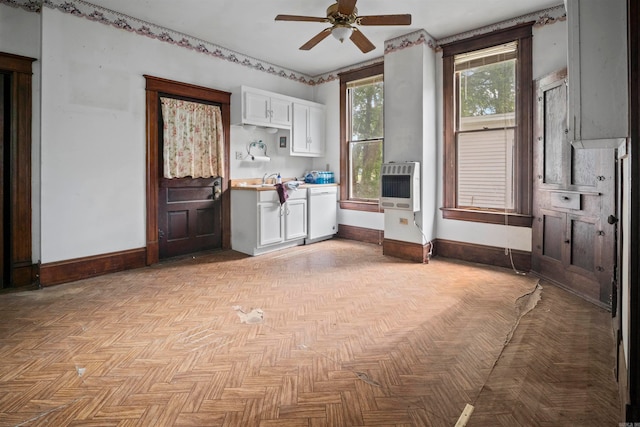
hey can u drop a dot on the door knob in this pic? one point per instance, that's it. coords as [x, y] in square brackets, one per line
[612, 219]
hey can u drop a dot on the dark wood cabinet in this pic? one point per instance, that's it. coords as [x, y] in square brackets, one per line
[573, 197]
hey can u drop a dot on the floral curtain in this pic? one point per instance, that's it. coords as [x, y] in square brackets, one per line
[193, 139]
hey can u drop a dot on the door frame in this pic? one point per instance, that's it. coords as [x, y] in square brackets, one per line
[22, 271]
[155, 87]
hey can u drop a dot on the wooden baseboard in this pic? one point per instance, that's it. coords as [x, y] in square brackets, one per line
[24, 274]
[482, 254]
[361, 234]
[81, 268]
[407, 250]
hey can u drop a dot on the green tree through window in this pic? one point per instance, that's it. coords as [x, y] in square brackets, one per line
[488, 89]
[366, 124]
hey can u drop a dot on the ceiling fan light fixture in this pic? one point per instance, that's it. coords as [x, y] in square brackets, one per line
[341, 32]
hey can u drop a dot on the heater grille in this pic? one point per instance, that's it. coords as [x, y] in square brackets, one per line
[400, 186]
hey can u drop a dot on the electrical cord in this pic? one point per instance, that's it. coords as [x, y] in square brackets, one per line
[430, 242]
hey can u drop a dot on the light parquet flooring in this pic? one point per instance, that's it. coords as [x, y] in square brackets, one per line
[349, 338]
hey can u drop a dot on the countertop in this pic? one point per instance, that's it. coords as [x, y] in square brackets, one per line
[255, 184]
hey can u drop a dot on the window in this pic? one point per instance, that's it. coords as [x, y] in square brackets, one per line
[362, 137]
[487, 128]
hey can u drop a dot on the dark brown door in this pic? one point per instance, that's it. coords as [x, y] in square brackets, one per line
[189, 216]
[189, 212]
[3, 139]
[574, 195]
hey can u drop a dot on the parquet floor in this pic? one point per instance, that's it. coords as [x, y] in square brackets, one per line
[347, 337]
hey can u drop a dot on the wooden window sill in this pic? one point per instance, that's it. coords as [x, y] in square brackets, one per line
[487, 217]
[360, 206]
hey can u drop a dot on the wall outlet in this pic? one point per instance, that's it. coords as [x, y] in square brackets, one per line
[238, 155]
[404, 221]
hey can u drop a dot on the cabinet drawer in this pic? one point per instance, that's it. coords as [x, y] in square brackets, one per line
[268, 196]
[565, 200]
[298, 194]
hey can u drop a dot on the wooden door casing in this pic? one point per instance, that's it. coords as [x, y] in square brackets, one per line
[19, 269]
[3, 142]
[156, 87]
[573, 196]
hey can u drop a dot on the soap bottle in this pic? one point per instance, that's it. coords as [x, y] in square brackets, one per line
[279, 179]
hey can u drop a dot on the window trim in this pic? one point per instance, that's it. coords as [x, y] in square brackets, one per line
[346, 77]
[524, 110]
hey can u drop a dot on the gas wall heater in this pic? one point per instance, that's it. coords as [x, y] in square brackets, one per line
[400, 187]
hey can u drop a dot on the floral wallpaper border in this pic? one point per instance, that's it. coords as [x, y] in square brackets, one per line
[544, 17]
[409, 40]
[83, 9]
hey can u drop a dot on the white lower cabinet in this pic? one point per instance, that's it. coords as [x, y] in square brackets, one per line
[295, 218]
[270, 223]
[260, 224]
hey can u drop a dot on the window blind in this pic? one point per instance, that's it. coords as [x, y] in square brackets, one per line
[485, 165]
[491, 55]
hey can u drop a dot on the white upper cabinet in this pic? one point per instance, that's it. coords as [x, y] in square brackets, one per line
[308, 130]
[597, 73]
[261, 108]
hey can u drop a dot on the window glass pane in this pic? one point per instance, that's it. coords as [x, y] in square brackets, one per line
[487, 96]
[364, 170]
[366, 112]
[485, 169]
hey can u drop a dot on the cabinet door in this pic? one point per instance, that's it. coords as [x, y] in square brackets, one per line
[299, 140]
[280, 112]
[270, 223]
[315, 130]
[295, 218]
[573, 195]
[256, 108]
[598, 83]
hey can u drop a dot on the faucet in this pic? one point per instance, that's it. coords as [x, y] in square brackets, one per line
[267, 176]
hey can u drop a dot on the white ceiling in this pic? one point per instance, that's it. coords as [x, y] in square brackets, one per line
[248, 26]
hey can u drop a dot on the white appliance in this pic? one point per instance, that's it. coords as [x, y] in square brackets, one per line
[400, 186]
[322, 211]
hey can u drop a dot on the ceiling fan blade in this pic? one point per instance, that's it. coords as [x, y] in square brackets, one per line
[363, 43]
[316, 39]
[346, 7]
[300, 18]
[385, 20]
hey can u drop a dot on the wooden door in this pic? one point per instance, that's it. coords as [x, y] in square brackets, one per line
[189, 212]
[189, 216]
[573, 197]
[3, 139]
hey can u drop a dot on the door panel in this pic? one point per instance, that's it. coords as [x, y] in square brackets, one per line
[583, 236]
[555, 115]
[553, 226]
[573, 194]
[189, 217]
[583, 165]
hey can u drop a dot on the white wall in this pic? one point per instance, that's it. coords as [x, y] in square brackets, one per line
[93, 129]
[410, 135]
[92, 156]
[549, 54]
[20, 35]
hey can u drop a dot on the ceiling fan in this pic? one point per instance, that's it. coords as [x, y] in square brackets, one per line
[342, 16]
